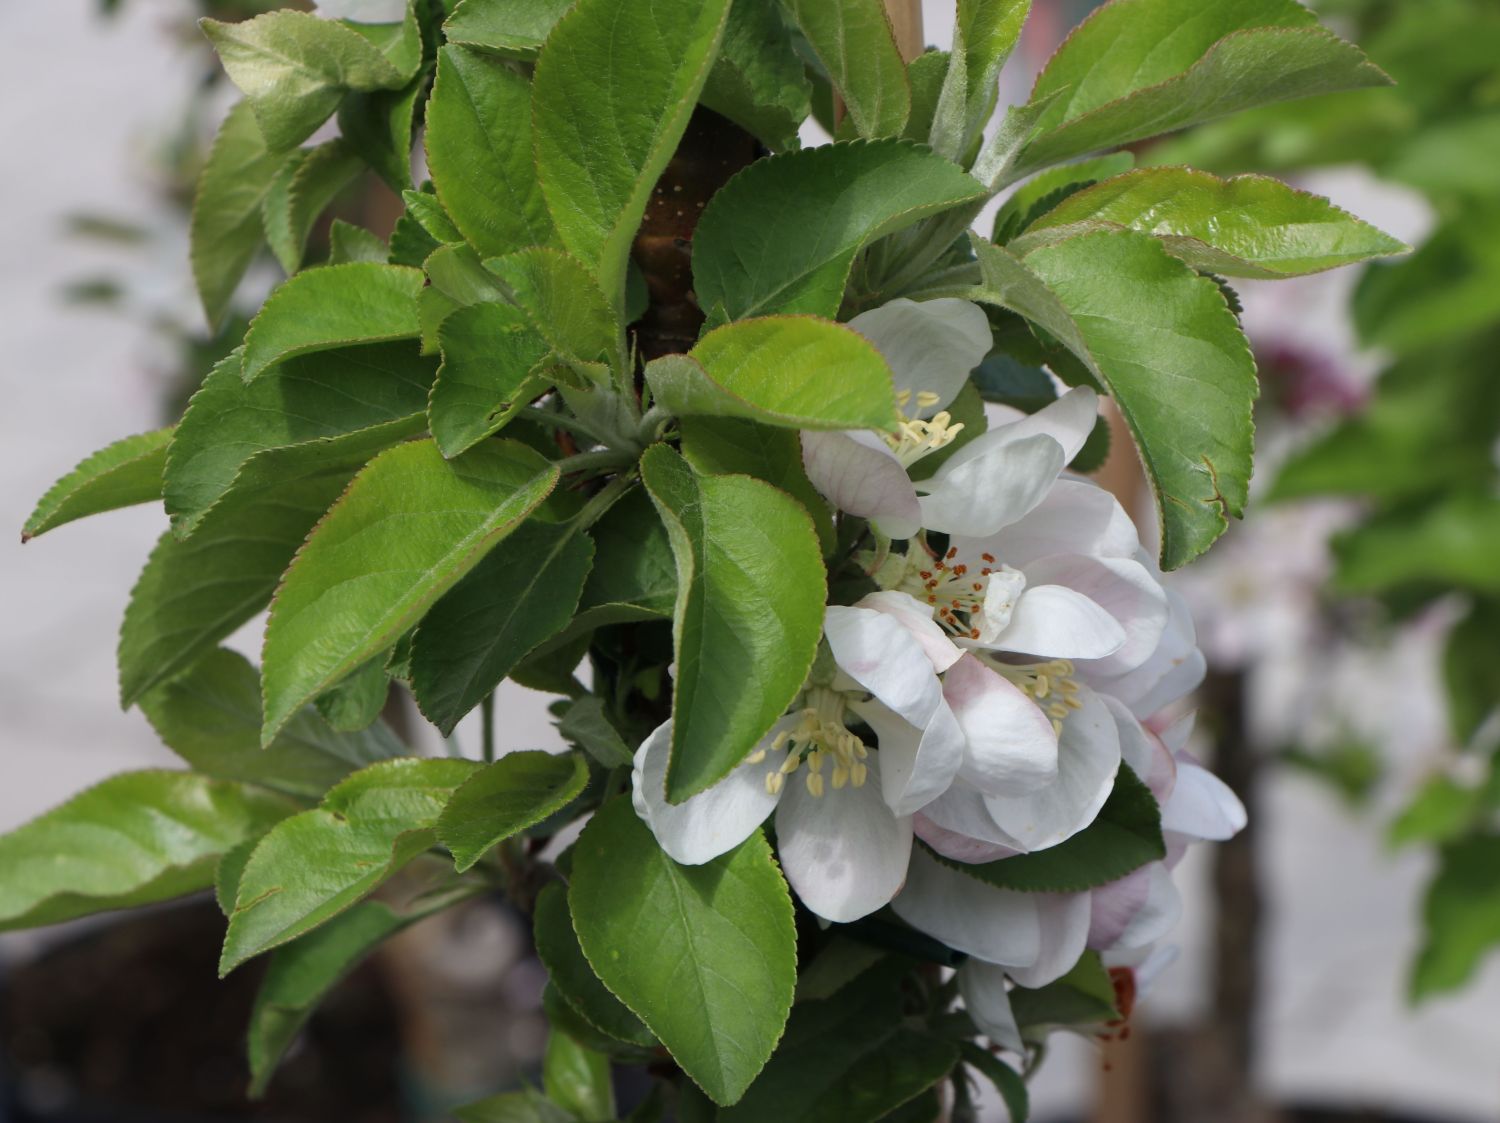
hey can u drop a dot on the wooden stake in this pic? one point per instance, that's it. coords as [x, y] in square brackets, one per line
[906, 22]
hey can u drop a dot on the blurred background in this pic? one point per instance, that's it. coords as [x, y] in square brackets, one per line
[1332, 962]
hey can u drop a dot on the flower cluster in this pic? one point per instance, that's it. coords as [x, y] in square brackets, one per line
[980, 704]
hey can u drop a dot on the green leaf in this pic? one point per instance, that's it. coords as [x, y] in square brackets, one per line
[518, 791]
[493, 364]
[294, 68]
[845, 1059]
[514, 1107]
[854, 42]
[759, 370]
[354, 703]
[1007, 1081]
[195, 592]
[717, 984]
[749, 613]
[1471, 672]
[315, 865]
[1139, 68]
[118, 475]
[479, 153]
[458, 278]
[1452, 541]
[1045, 190]
[522, 594]
[226, 226]
[1462, 913]
[1085, 995]
[1163, 341]
[638, 67]
[577, 1079]
[752, 250]
[563, 302]
[1248, 226]
[509, 28]
[378, 127]
[303, 190]
[759, 81]
[634, 575]
[984, 35]
[409, 527]
[1441, 811]
[347, 242]
[586, 725]
[314, 398]
[557, 947]
[337, 306]
[1125, 836]
[136, 838]
[210, 717]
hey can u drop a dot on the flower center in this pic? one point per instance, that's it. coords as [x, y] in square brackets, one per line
[967, 602]
[1050, 685]
[819, 736]
[916, 438]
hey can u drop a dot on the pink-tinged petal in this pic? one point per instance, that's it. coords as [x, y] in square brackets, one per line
[844, 852]
[1088, 756]
[931, 346]
[712, 822]
[1202, 805]
[995, 925]
[1143, 751]
[1124, 588]
[1055, 622]
[987, 999]
[1135, 911]
[877, 651]
[916, 618]
[1010, 747]
[1064, 920]
[1174, 732]
[1174, 670]
[1076, 517]
[959, 847]
[961, 812]
[1068, 421]
[995, 485]
[857, 473]
[916, 765]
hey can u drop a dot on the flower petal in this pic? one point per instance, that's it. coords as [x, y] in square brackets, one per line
[931, 346]
[1056, 622]
[1009, 744]
[996, 484]
[916, 765]
[844, 852]
[712, 822]
[995, 925]
[1136, 910]
[987, 999]
[1068, 421]
[1088, 756]
[857, 473]
[1124, 588]
[1174, 670]
[1064, 919]
[877, 651]
[1143, 751]
[959, 847]
[916, 618]
[1202, 805]
[1076, 517]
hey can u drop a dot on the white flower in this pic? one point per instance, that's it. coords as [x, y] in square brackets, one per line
[843, 813]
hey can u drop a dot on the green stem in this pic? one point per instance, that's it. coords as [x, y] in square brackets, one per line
[602, 501]
[487, 727]
[555, 420]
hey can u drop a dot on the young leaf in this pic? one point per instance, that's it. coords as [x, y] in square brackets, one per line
[311, 867]
[294, 67]
[557, 947]
[457, 279]
[754, 251]
[509, 28]
[758, 370]
[522, 594]
[984, 34]
[378, 127]
[226, 226]
[307, 399]
[134, 839]
[118, 475]
[210, 717]
[1248, 226]
[564, 304]
[409, 527]
[717, 984]
[1045, 190]
[1462, 913]
[638, 66]
[1139, 68]
[518, 791]
[338, 306]
[479, 152]
[759, 81]
[347, 242]
[300, 194]
[749, 613]
[854, 42]
[1163, 341]
[493, 364]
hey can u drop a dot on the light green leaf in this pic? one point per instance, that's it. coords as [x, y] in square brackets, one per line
[749, 612]
[718, 983]
[1045, 190]
[521, 595]
[984, 35]
[557, 947]
[118, 475]
[134, 839]
[854, 42]
[577, 1079]
[563, 302]
[638, 66]
[226, 226]
[1163, 341]
[509, 28]
[797, 372]
[1125, 836]
[354, 703]
[493, 364]
[303, 190]
[1139, 68]
[1248, 226]
[378, 127]
[458, 278]
[518, 791]
[348, 242]
[781, 235]
[303, 400]
[1452, 541]
[585, 725]
[1462, 913]
[427, 211]
[1083, 996]
[479, 153]
[293, 69]
[759, 81]
[409, 527]
[315, 865]
[195, 592]
[210, 717]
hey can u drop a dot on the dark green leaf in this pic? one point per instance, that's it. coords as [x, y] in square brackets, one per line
[759, 81]
[590, 999]
[518, 791]
[1462, 913]
[305, 187]
[1471, 669]
[510, 28]
[854, 42]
